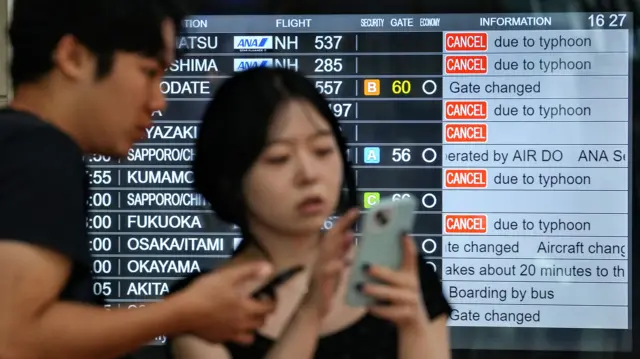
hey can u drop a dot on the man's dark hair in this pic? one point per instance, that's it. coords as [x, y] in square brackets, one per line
[103, 26]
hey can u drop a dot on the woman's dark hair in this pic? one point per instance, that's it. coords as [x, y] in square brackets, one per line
[234, 132]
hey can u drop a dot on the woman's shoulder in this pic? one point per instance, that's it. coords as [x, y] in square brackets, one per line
[369, 337]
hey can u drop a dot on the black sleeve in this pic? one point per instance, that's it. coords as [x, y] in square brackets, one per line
[432, 292]
[42, 192]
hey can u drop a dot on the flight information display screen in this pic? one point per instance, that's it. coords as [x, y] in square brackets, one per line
[513, 131]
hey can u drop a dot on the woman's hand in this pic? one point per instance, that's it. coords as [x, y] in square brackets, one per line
[399, 293]
[330, 264]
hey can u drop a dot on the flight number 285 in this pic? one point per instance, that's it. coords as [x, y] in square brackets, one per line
[328, 65]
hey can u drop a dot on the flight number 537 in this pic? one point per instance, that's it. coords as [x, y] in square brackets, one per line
[327, 42]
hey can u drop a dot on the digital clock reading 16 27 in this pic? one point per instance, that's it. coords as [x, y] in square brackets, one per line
[609, 20]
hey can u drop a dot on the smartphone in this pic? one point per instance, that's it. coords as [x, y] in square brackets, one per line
[268, 290]
[380, 243]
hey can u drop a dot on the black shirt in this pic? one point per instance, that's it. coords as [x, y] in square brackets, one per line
[367, 338]
[43, 189]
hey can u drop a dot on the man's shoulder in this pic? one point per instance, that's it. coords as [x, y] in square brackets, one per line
[42, 186]
[23, 134]
[14, 122]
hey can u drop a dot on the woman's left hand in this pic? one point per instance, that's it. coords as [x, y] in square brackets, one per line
[399, 293]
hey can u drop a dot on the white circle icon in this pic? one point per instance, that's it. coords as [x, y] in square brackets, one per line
[429, 87]
[429, 246]
[429, 200]
[429, 155]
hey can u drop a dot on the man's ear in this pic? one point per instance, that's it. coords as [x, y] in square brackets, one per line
[73, 59]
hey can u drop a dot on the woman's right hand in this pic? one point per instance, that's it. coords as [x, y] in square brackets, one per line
[330, 264]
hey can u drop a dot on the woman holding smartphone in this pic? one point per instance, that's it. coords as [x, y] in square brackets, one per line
[276, 166]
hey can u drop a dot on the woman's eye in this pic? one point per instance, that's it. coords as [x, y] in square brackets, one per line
[324, 152]
[277, 159]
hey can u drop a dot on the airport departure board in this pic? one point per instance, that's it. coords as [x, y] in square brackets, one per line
[513, 131]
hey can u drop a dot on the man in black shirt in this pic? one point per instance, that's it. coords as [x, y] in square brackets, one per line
[86, 75]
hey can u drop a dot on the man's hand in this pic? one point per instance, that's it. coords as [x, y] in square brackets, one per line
[34, 322]
[220, 306]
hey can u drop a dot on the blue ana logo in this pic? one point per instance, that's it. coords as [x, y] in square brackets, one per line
[245, 64]
[249, 43]
[252, 43]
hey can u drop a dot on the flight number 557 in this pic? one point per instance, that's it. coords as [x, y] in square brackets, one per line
[328, 88]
